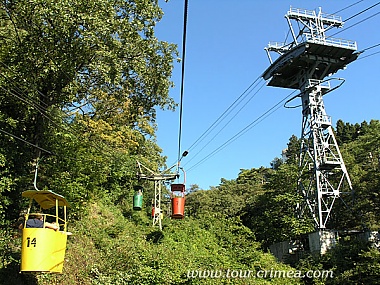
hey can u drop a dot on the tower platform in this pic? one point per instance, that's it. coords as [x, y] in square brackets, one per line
[330, 54]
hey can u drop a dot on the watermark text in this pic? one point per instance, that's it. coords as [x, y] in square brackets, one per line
[264, 274]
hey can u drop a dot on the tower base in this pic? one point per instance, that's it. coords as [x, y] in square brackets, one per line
[321, 241]
[318, 242]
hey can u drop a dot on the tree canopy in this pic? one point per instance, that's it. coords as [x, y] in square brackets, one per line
[80, 80]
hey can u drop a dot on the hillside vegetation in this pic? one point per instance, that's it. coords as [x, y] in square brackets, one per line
[81, 82]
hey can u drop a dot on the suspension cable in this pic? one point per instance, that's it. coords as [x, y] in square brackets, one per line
[368, 55]
[43, 111]
[226, 112]
[259, 119]
[24, 141]
[371, 47]
[182, 80]
[229, 121]
[357, 14]
[349, 6]
[353, 25]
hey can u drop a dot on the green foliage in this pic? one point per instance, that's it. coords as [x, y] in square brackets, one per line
[106, 248]
[362, 157]
[271, 214]
[230, 197]
[293, 150]
[346, 132]
[81, 80]
[265, 199]
[6, 182]
[352, 261]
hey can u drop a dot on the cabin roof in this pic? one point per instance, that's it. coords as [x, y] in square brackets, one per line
[46, 198]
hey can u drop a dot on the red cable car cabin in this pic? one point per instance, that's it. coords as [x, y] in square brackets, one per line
[178, 201]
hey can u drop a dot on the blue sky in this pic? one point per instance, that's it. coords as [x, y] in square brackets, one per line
[225, 55]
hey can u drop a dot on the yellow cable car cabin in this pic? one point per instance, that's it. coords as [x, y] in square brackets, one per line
[44, 236]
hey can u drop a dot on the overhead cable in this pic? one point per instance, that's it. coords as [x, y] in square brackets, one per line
[361, 12]
[368, 55]
[371, 47]
[24, 98]
[225, 125]
[259, 119]
[368, 48]
[226, 112]
[182, 79]
[353, 25]
[24, 141]
[349, 6]
[14, 84]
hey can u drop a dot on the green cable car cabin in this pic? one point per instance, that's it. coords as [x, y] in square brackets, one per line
[44, 236]
[138, 198]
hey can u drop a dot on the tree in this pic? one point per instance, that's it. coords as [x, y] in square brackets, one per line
[276, 163]
[293, 150]
[101, 58]
[254, 176]
[346, 132]
[86, 75]
[362, 157]
[271, 214]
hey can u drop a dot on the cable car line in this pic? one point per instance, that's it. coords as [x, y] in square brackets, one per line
[17, 92]
[353, 25]
[24, 99]
[368, 48]
[372, 54]
[37, 108]
[67, 128]
[353, 16]
[41, 109]
[371, 47]
[182, 80]
[30, 104]
[345, 8]
[24, 141]
[349, 6]
[244, 130]
[226, 112]
[357, 14]
[15, 84]
[43, 114]
[30, 101]
[225, 125]
[95, 145]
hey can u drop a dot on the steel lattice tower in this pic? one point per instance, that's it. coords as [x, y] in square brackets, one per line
[306, 64]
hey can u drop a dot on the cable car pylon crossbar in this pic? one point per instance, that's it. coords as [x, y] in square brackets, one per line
[146, 173]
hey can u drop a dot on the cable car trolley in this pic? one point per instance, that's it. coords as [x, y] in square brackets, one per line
[44, 236]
